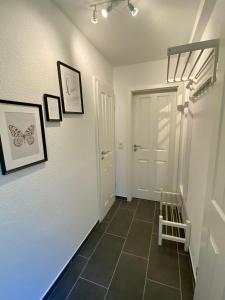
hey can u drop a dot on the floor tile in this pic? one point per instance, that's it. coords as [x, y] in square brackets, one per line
[90, 244]
[85, 290]
[121, 222]
[111, 212]
[103, 261]
[145, 210]
[138, 240]
[69, 278]
[155, 291]
[186, 277]
[155, 229]
[128, 281]
[163, 264]
[130, 204]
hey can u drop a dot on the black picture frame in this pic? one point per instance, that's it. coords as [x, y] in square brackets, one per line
[47, 112]
[3, 164]
[62, 92]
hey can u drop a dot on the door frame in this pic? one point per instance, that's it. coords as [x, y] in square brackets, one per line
[95, 81]
[173, 87]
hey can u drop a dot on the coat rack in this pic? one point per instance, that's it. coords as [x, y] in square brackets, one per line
[198, 59]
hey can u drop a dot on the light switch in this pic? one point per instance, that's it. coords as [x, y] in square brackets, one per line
[120, 145]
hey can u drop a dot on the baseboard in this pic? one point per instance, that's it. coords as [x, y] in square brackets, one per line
[121, 198]
[192, 264]
[49, 292]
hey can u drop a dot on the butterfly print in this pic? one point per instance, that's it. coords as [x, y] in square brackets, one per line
[20, 138]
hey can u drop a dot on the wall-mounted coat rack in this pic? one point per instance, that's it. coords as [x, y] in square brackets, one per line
[191, 62]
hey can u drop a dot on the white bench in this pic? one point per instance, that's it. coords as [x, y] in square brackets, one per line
[173, 221]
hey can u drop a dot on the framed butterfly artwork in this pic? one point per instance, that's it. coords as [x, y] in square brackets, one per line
[22, 136]
[70, 89]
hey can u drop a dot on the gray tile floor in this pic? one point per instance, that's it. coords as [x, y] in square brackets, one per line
[121, 260]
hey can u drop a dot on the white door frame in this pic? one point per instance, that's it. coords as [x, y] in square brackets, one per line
[141, 89]
[98, 155]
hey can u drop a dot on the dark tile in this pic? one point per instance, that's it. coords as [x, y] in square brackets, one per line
[128, 281]
[155, 229]
[69, 278]
[129, 204]
[103, 261]
[186, 277]
[90, 244]
[155, 291]
[121, 222]
[181, 249]
[145, 210]
[138, 240]
[85, 290]
[163, 264]
[112, 211]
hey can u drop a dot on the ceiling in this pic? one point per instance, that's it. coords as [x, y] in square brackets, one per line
[124, 39]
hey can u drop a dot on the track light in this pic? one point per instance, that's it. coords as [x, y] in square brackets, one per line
[94, 18]
[134, 10]
[105, 11]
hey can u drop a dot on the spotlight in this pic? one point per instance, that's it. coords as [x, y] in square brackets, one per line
[94, 18]
[134, 10]
[105, 11]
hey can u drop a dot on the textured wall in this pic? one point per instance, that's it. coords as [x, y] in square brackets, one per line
[47, 210]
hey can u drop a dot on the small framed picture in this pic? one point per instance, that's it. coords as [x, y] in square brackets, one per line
[70, 89]
[52, 108]
[22, 136]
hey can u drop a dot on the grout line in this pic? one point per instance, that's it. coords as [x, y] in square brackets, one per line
[125, 208]
[85, 265]
[138, 219]
[121, 251]
[86, 257]
[146, 274]
[95, 283]
[131, 254]
[169, 286]
[184, 254]
[181, 296]
[116, 235]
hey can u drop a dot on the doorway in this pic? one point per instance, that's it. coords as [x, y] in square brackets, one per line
[105, 143]
[155, 143]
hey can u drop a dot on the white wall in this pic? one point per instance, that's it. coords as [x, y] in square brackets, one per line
[196, 151]
[47, 210]
[127, 79]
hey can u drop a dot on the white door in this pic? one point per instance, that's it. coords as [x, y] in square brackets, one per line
[106, 145]
[211, 271]
[154, 131]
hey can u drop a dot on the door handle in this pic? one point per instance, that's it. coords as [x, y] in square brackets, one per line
[103, 153]
[136, 147]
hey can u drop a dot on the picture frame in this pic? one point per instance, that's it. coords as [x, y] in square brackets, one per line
[22, 136]
[52, 108]
[70, 89]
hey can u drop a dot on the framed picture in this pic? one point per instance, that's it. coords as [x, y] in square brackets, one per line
[52, 108]
[70, 89]
[22, 136]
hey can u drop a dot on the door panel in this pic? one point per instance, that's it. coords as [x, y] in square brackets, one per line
[211, 271]
[106, 144]
[154, 120]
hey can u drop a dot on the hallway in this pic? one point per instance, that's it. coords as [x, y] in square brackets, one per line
[122, 261]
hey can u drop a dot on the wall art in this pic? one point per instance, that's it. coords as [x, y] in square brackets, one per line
[70, 89]
[22, 136]
[52, 108]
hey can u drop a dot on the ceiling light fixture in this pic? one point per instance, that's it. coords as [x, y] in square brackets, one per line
[134, 10]
[94, 18]
[106, 10]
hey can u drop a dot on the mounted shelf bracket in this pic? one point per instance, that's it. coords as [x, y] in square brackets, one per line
[197, 59]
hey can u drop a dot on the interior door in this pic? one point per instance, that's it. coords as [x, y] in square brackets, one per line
[106, 145]
[154, 131]
[210, 283]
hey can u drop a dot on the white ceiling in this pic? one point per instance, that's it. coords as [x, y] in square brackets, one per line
[124, 39]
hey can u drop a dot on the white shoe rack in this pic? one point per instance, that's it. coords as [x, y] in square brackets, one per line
[173, 221]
